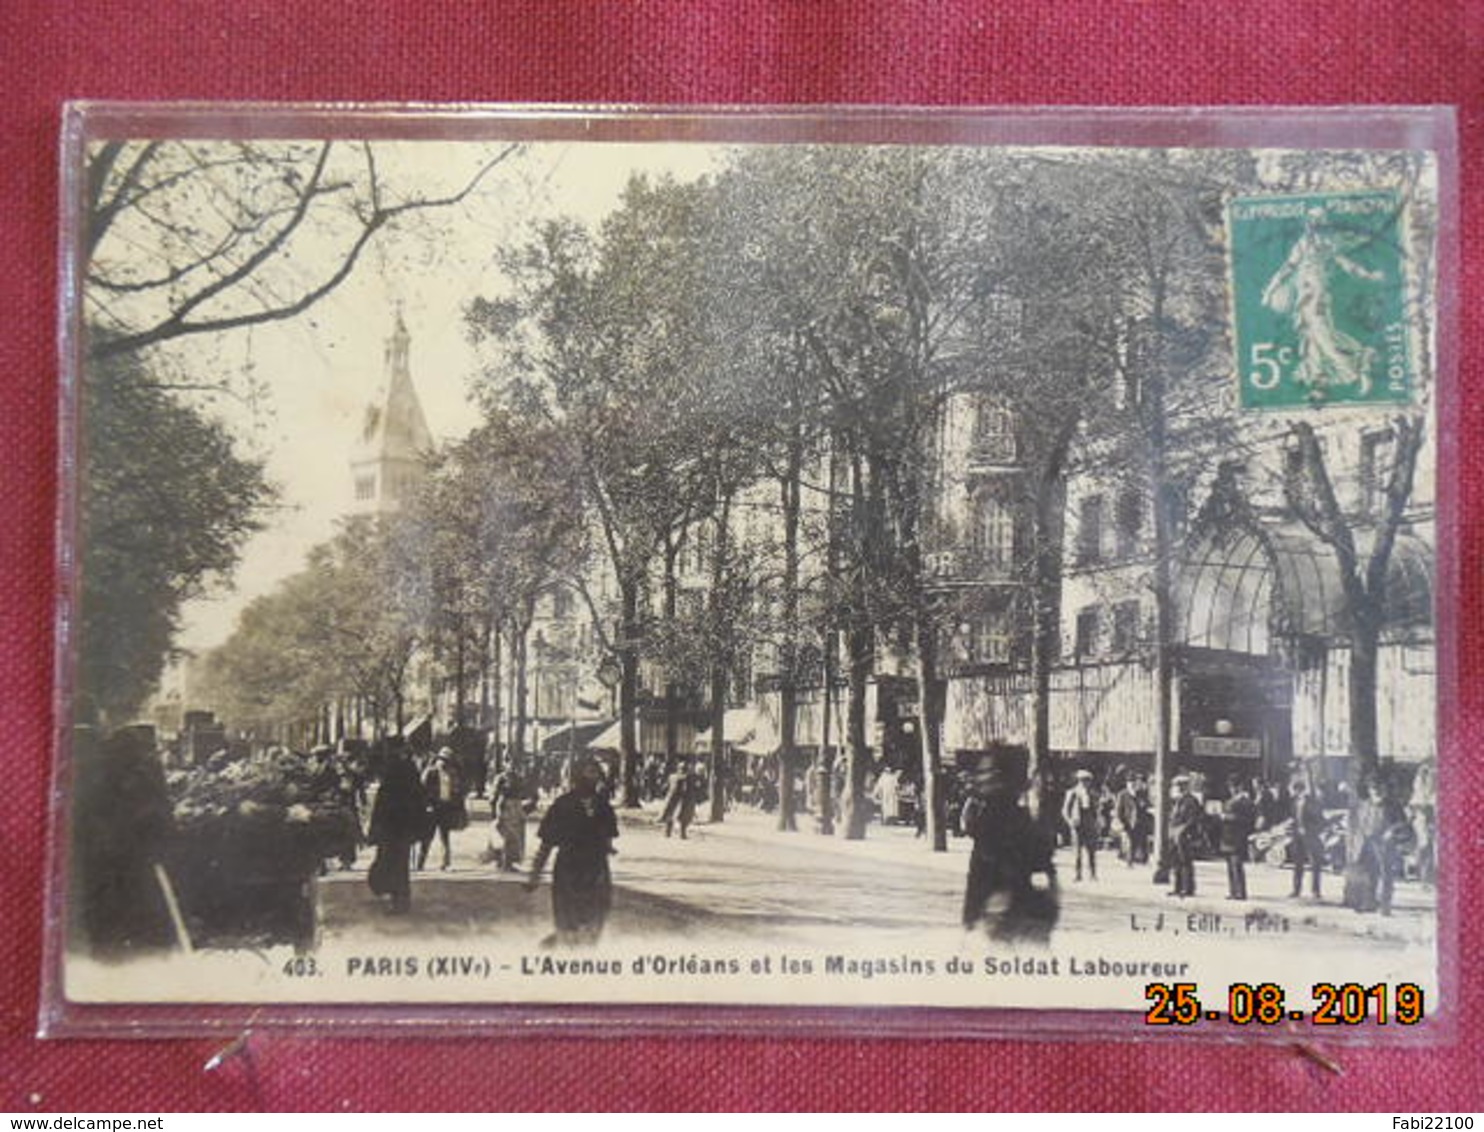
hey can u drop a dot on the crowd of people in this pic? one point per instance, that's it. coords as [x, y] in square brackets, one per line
[1310, 827]
[405, 805]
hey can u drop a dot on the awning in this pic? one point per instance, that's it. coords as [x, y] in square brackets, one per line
[419, 732]
[577, 737]
[1240, 584]
[608, 739]
[745, 729]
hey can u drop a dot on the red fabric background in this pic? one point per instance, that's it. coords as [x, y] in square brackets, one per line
[712, 51]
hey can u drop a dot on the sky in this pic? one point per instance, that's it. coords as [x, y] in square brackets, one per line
[320, 370]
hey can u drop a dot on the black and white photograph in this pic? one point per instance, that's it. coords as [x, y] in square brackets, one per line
[667, 566]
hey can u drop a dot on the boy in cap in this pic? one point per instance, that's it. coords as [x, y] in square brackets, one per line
[1080, 811]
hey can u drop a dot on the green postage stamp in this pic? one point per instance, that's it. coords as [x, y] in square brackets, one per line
[1319, 297]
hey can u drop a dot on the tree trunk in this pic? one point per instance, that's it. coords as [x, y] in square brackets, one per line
[1164, 550]
[628, 693]
[932, 698]
[672, 690]
[492, 695]
[1048, 530]
[788, 715]
[855, 806]
[522, 644]
[458, 674]
[824, 769]
[1365, 743]
[721, 641]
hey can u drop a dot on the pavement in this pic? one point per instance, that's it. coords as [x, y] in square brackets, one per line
[744, 878]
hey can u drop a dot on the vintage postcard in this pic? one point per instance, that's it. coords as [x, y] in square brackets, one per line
[721, 560]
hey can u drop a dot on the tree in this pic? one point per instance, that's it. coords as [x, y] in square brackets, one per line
[498, 525]
[1153, 223]
[347, 626]
[1363, 540]
[599, 343]
[1363, 546]
[165, 505]
[185, 238]
[880, 256]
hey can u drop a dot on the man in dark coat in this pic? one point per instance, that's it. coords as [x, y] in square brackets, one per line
[1308, 837]
[1011, 851]
[1376, 845]
[443, 784]
[1130, 819]
[399, 820]
[680, 800]
[1238, 818]
[1185, 836]
[580, 827]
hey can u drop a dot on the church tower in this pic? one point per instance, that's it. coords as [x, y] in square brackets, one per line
[387, 462]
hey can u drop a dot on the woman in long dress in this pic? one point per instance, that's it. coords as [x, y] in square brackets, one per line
[580, 827]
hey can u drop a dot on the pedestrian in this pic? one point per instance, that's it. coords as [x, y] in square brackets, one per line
[1185, 835]
[510, 801]
[1422, 809]
[444, 787]
[1307, 845]
[1129, 810]
[887, 795]
[1079, 809]
[1238, 817]
[580, 827]
[1381, 834]
[1010, 892]
[399, 820]
[680, 799]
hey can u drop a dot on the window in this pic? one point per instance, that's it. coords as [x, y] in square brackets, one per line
[691, 606]
[1126, 618]
[997, 537]
[1003, 313]
[561, 604]
[992, 639]
[1090, 530]
[1130, 521]
[994, 432]
[700, 550]
[365, 488]
[1377, 453]
[1089, 625]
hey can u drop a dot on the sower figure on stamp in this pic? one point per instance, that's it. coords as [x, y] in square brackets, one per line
[580, 827]
[1079, 809]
